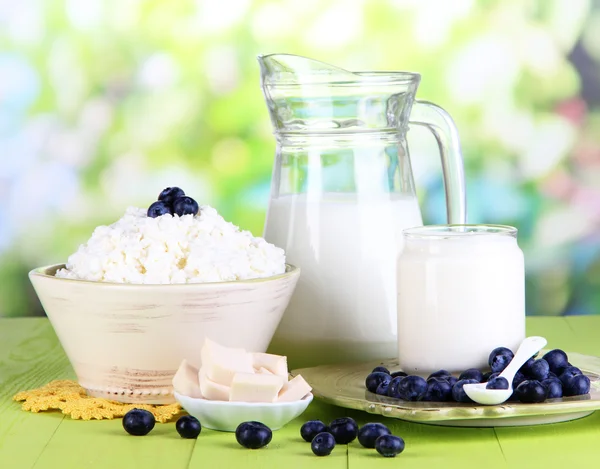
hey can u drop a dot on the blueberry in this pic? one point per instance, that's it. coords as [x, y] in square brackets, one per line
[518, 379]
[553, 387]
[458, 393]
[557, 359]
[568, 373]
[311, 429]
[486, 376]
[158, 209]
[452, 380]
[398, 374]
[525, 367]
[531, 391]
[185, 206]
[389, 446]
[169, 195]
[253, 435]
[539, 369]
[188, 427]
[412, 388]
[577, 385]
[375, 379]
[138, 422]
[500, 358]
[381, 369]
[440, 374]
[472, 373]
[323, 444]
[551, 375]
[344, 430]
[369, 432]
[393, 388]
[383, 388]
[438, 390]
[499, 382]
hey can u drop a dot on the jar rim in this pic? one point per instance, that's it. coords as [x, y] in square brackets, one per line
[452, 231]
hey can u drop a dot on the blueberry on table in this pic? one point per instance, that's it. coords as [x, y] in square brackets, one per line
[412, 388]
[381, 369]
[375, 379]
[553, 387]
[158, 209]
[344, 430]
[399, 374]
[323, 444]
[253, 435]
[472, 373]
[538, 369]
[576, 386]
[188, 427]
[311, 429]
[138, 422]
[557, 360]
[438, 390]
[169, 195]
[568, 373]
[499, 358]
[444, 374]
[369, 432]
[499, 382]
[531, 391]
[394, 387]
[458, 393]
[185, 206]
[389, 446]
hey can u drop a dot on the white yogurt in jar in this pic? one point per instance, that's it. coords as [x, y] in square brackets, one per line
[461, 293]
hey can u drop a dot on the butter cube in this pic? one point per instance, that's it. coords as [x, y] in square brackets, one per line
[211, 390]
[254, 387]
[294, 390]
[222, 363]
[186, 382]
[276, 364]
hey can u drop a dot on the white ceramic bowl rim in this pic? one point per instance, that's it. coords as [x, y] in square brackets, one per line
[49, 271]
[236, 404]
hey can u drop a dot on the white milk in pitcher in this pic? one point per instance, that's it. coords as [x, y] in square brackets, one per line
[344, 307]
[460, 295]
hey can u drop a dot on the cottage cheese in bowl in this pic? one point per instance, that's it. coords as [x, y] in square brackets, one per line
[173, 249]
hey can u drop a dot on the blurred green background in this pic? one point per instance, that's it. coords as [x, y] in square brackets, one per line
[105, 102]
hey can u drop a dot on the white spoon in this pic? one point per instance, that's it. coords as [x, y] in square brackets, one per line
[477, 392]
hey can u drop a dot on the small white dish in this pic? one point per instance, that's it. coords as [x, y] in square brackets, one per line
[226, 416]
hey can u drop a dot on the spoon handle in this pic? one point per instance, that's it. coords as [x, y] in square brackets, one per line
[526, 350]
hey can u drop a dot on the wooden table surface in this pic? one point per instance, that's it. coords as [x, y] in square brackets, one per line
[30, 356]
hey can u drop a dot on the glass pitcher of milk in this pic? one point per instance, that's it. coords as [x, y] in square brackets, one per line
[342, 192]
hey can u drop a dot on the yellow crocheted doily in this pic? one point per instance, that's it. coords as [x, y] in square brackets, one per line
[71, 399]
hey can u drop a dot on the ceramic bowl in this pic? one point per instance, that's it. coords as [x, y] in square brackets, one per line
[226, 416]
[126, 341]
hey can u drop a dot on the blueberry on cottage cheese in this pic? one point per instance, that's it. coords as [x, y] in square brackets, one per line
[323, 444]
[158, 209]
[412, 388]
[531, 391]
[375, 379]
[499, 382]
[169, 195]
[138, 422]
[499, 358]
[188, 426]
[344, 430]
[554, 388]
[369, 432]
[311, 429]
[389, 446]
[576, 386]
[472, 373]
[557, 360]
[253, 435]
[438, 390]
[185, 206]
[458, 393]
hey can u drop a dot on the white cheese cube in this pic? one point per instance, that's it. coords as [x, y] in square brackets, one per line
[276, 364]
[294, 390]
[211, 390]
[255, 387]
[221, 363]
[186, 382]
[263, 371]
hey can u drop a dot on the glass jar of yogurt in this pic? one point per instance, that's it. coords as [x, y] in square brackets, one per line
[461, 293]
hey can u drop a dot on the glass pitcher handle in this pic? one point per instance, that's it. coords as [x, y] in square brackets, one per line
[444, 130]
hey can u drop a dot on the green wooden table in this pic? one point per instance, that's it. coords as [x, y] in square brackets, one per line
[30, 356]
